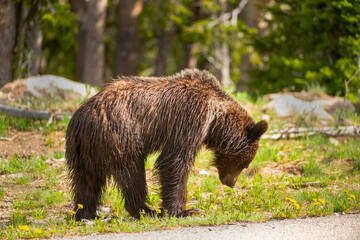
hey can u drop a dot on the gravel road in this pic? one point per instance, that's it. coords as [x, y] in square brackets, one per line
[330, 227]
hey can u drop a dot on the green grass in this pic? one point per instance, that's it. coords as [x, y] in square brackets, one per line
[351, 116]
[34, 165]
[151, 161]
[2, 194]
[350, 150]
[312, 168]
[23, 124]
[328, 182]
[315, 88]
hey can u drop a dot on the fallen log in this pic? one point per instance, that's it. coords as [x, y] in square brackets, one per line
[302, 132]
[31, 114]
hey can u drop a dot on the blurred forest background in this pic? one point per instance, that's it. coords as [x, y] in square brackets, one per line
[259, 46]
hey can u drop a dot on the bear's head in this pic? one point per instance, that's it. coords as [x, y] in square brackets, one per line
[232, 161]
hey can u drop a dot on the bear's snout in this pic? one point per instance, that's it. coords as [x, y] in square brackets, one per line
[228, 180]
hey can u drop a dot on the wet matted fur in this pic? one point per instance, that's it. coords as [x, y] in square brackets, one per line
[113, 132]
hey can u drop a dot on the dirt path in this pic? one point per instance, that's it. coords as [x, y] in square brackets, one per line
[330, 227]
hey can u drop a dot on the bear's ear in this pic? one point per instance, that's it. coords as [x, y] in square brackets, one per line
[258, 129]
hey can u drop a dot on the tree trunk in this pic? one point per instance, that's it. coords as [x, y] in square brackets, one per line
[164, 48]
[34, 64]
[250, 15]
[21, 29]
[222, 55]
[90, 57]
[190, 61]
[225, 70]
[7, 39]
[127, 42]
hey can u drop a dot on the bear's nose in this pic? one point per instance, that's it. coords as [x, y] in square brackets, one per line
[228, 180]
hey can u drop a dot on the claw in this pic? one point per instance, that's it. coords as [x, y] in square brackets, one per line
[190, 212]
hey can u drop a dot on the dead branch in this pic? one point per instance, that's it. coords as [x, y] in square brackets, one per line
[226, 16]
[298, 185]
[8, 139]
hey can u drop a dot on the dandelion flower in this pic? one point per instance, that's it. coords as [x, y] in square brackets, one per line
[143, 211]
[352, 196]
[158, 211]
[297, 206]
[345, 191]
[25, 228]
[288, 199]
[80, 206]
[37, 231]
[11, 226]
[317, 204]
[322, 201]
[73, 213]
[315, 199]
[51, 231]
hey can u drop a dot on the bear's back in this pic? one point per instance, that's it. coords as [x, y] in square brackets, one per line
[192, 82]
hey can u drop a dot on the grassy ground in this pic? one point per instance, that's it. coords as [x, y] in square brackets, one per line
[288, 179]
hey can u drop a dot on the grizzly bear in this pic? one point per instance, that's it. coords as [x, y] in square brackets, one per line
[113, 132]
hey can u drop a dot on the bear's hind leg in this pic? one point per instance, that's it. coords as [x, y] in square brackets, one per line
[131, 180]
[87, 188]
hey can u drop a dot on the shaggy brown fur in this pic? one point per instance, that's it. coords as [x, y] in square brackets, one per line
[112, 133]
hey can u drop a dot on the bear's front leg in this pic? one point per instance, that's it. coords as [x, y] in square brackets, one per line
[173, 171]
[173, 189]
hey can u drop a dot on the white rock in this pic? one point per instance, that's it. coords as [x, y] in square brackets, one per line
[37, 86]
[287, 105]
[37, 83]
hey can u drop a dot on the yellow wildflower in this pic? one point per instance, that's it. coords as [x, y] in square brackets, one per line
[345, 191]
[297, 206]
[25, 228]
[158, 211]
[317, 204]
[288, 199]
[352, 196]
[11, 226]
[143, 211]
[349, 199]
[51, 231]
[315, 199]
[322, 201]
[73, 213]
[80, 206]
[38, 231]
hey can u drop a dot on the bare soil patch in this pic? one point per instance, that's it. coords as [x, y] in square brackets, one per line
[25, 144]
[288, 169]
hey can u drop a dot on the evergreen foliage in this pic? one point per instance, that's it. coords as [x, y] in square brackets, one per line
[310, 41]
